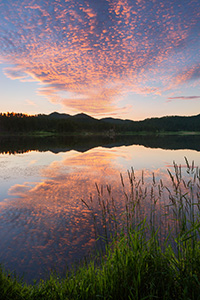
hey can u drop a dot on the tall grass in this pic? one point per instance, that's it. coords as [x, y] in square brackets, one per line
[170, 209]
[151, 249]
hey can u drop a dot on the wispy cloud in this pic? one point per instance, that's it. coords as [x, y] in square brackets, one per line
[184, 98]
[19, 189]
[99, 50]
[31, 103]
[15, 73]
[187, 74]
[170, 99]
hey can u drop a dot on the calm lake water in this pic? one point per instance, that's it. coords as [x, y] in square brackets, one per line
[44, 224]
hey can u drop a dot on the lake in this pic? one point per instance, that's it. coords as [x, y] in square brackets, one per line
[44, 224]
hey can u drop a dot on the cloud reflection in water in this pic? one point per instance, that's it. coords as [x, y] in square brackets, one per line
[46, 225]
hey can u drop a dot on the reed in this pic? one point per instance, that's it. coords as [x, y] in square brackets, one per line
[169, 209]
[151, 248]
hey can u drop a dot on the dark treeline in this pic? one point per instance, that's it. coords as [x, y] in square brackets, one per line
[11, 123]
[21, 123]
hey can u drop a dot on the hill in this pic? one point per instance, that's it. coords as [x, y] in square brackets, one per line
[56, 123]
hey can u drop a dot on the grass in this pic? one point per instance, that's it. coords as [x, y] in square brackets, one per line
[154, 255]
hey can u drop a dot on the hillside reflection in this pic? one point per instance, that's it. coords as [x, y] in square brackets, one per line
[20, 144]
[43, 222]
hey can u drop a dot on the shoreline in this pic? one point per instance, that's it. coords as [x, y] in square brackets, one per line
[99, 134]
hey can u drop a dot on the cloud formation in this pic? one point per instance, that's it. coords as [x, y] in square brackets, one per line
[99, 50]
[170, 99]
[184, 97]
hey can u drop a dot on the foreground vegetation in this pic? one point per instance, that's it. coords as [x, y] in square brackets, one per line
[132, 269]
[138, 261]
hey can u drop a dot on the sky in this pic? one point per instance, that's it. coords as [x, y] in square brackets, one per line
[130, 59]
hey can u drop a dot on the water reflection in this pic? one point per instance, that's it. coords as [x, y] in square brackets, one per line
[56, 144]
[43, 222]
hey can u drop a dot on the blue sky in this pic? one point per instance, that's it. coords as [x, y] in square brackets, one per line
[127, 59]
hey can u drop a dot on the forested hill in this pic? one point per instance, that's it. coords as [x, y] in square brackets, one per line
[80, 123]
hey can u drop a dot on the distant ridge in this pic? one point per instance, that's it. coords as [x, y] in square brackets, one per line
[81, 117]
[166, 123]
[84, 117]
[61, 123]
[57, 115]
[115, 121]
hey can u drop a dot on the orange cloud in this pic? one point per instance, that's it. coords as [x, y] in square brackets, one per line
[98, 50]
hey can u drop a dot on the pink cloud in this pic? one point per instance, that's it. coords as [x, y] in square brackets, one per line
[31, 103]
[15, 73]
[98, 52]
[188, 74]
[183, 98]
